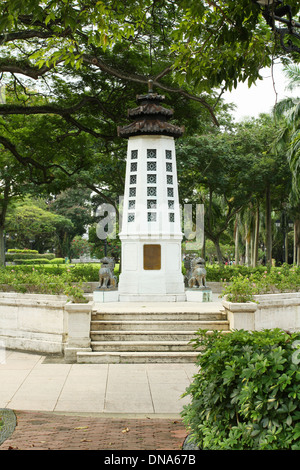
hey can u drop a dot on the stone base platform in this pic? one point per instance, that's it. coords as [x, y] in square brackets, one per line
[202, 294]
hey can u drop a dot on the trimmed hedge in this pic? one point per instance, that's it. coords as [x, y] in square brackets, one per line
[77, 272]
[17, 250]
[217, 273]
[31, 261]
[12, 257]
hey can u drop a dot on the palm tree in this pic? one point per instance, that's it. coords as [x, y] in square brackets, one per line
[287, 112]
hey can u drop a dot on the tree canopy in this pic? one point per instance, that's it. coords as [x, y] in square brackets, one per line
[198, 45]
[72, 68]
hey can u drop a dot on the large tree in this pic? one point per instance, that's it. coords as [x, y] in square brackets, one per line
[233, 171]
[89, 58]
[287, 114]
[32, 225]
[73, 67]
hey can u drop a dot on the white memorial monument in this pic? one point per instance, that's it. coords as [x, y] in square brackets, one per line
[151, 228]
[151, 234]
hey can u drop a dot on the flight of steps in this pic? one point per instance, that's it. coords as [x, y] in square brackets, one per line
[148, 336]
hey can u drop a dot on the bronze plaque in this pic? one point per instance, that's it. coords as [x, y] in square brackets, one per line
[152, 257]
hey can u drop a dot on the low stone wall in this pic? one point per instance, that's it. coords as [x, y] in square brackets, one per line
[216, 287]
[50, 325]
[278, 311]
[266, 312]
[33, 322]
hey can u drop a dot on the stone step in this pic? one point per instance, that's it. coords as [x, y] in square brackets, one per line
[158, 316]
[142, 335]
[192, 325]
[149, 333]
[141, 346]
[135, 357]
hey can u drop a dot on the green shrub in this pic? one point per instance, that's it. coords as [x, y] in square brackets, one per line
[32, 281]
[75, 293]
[18, 256]
[243, 288]
[247, 391]
[32, 261]
[217, 273]
[17, 250]
[57, 261]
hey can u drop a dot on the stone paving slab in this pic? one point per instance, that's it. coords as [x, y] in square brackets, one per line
[93, 406]
[41, 383]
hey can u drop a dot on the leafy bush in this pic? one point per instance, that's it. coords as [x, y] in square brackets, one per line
[32, 261]
[39, 282]
[78, 272]
[247, 391]
[217, 273]
[33, 281]
[80, 246]
[57, 261]
[17, 250]
[13, 257]
[75, 293]
[243, 288]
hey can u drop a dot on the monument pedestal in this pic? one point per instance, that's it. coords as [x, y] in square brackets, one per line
[199, 294]
[189, 295]
[106, 295]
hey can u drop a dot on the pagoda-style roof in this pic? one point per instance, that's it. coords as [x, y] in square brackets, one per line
[150, 118]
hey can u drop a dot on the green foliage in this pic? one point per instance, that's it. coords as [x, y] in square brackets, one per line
[26, 221]
[246, 393]
[287, 112]
[243, 288]
[38, 280]
[25, 250]
[75, 273]
[80, 246]
[32, 280]
[26, 255]
[113, 245]
[32, 261]
[57, 261]
[223, 273]
[75, 293]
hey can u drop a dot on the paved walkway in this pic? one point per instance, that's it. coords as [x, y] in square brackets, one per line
[93, 406]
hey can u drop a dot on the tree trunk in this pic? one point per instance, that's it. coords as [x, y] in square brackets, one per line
[219, 252]
[247, 253]
[247, 245]
[2, 247]
[268, 227]
[286, 247]
[256, 236]
[4, 205]
[297, 241]
[295, 247]
[236, 239]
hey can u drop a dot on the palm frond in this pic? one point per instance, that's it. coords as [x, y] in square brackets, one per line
[293, 74]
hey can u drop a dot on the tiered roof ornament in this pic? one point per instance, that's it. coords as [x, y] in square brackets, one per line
[150, 117]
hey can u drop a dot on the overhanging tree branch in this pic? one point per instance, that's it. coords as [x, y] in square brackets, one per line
[31, 164]
[65, 113]
[144, 80]
[25, 161]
